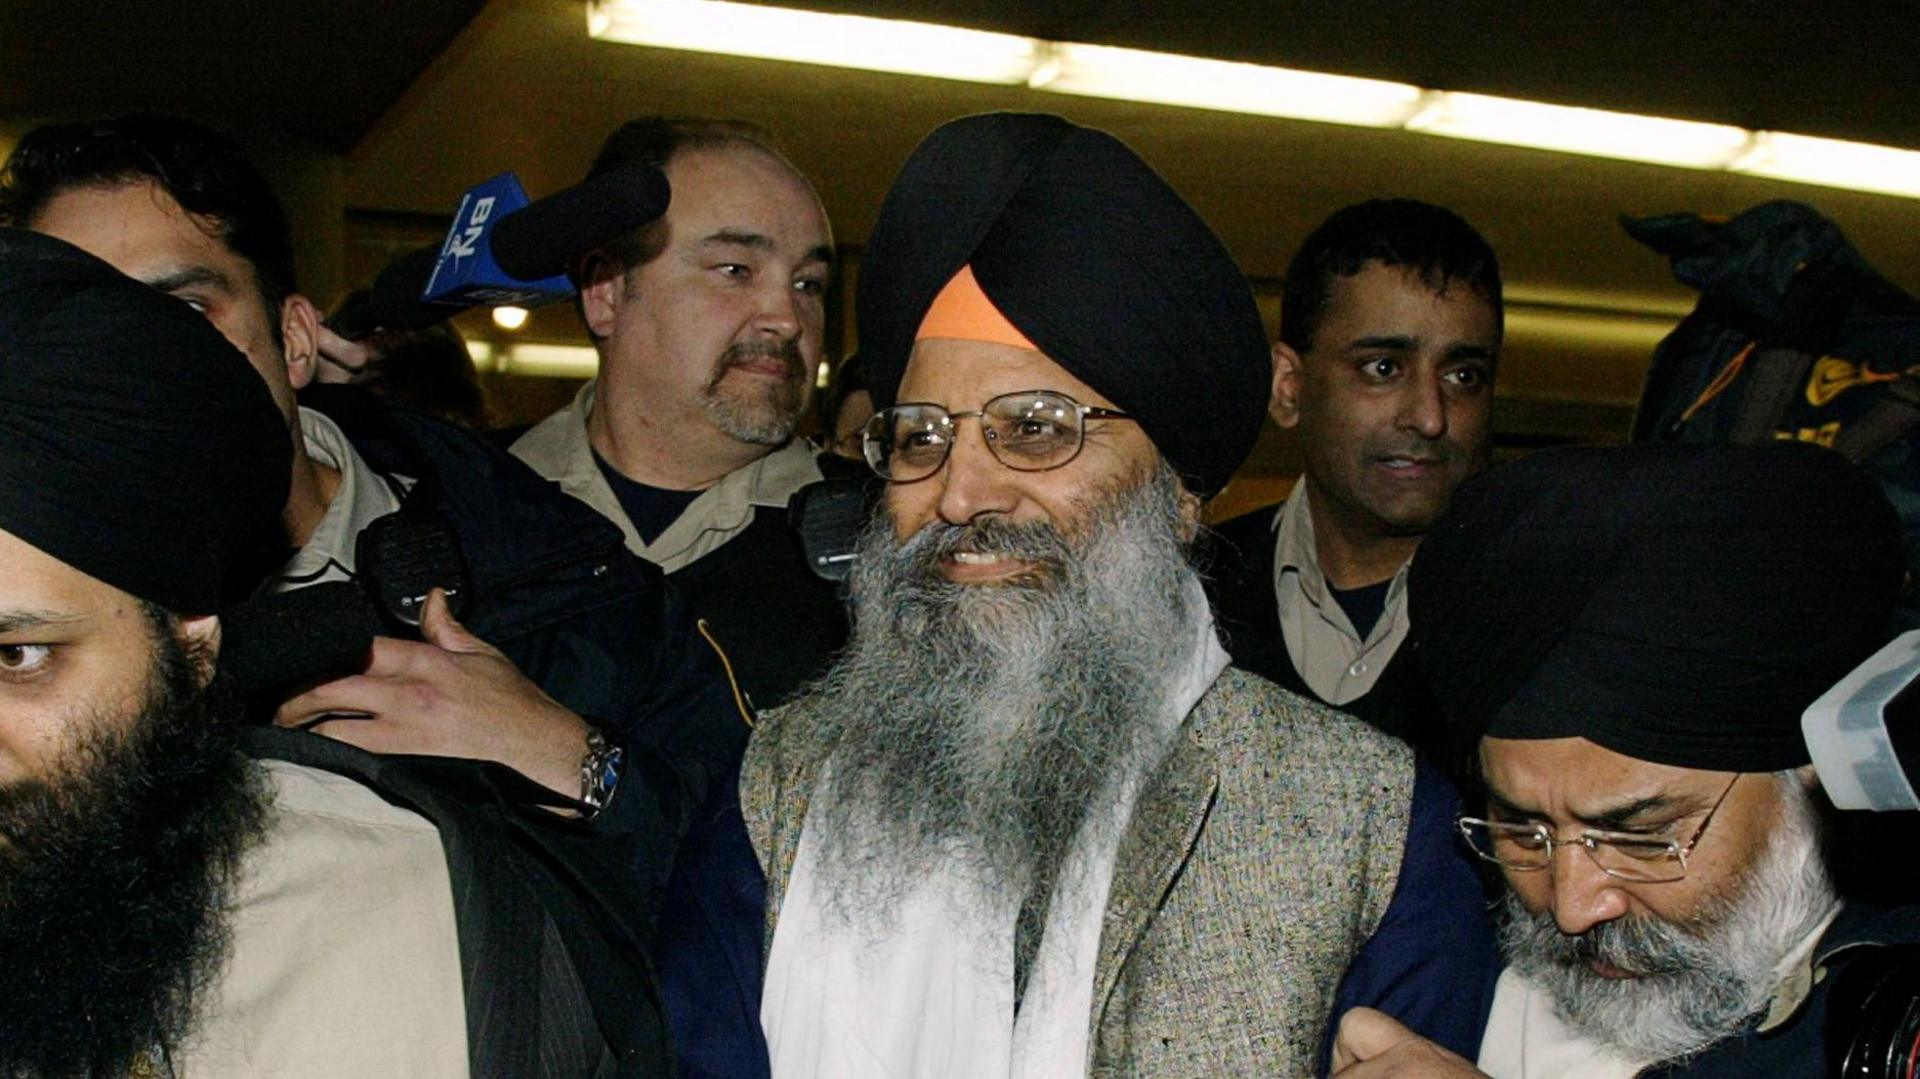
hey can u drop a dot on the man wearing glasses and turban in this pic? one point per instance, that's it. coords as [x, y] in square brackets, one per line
[1031, 824]
[1630, 637]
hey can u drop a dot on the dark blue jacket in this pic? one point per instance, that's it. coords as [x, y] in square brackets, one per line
[1429, 963]
[602, 632]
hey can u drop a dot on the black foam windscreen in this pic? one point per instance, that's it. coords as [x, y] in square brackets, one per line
[276, 641]
[543, 238]
[829, 515]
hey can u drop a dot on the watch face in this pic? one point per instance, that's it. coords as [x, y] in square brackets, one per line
[599, 772]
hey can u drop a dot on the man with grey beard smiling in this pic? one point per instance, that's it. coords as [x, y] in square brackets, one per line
[1031, 824]
[1630, 637]
[1013, 714]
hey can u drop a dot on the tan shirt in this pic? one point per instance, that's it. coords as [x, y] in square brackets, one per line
[344, 957]
[363, 496]
[1328, 653]
[557, 448]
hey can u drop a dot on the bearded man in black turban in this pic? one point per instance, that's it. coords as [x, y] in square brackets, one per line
[1625, 641]
[1031, 824]
[168, 906]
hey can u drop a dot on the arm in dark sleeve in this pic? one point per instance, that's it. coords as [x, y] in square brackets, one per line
[1433, 961]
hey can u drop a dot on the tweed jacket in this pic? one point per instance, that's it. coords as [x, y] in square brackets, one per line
[1260, 857]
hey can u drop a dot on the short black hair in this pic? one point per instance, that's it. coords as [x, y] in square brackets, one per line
[656, 140]
[1431, 241]
[201, 169]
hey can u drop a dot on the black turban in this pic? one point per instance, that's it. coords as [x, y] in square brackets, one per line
[1677, 604]
[136, 444]
[1098, 262]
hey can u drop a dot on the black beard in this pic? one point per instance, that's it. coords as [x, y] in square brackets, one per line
[114, 874]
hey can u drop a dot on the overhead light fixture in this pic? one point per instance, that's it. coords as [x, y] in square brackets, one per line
[509, 318]
[913, 48]
[1855, 165]
[855, 41]
[1166, 79]
[1596, 132]
[551, 361]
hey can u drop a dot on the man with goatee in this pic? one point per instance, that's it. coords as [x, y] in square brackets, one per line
[173, 899]
[1629, 638]
[1030, 824]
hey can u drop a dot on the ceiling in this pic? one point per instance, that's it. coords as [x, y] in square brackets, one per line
[328, 72]
[524, 88]
[322, 72]
[1842, 70]
[415, 103]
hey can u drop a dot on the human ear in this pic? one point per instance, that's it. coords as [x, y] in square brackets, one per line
[1284, 404]
[200, 639]
[300, 339]
[603, 285]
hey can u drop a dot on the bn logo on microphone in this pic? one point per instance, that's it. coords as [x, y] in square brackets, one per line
[466, 273]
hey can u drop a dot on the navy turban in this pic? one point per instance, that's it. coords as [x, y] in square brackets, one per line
[1092, 257]
[136, 444]
[1679, 604]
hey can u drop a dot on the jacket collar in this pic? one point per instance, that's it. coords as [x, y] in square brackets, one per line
[1166, 824]
[557, 448]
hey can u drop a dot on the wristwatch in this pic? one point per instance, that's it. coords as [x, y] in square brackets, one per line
[599, 772]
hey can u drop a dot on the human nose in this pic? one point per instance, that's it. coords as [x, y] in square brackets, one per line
[1583, 894]
[973, 482]
[1423, 407]
[779, 314]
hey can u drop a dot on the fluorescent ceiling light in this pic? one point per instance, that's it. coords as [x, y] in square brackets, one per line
[1162, 78]
[911, 48]
[549, 361]
[771, 33]
[552, 361]
[1855, 165]
[1581, 131]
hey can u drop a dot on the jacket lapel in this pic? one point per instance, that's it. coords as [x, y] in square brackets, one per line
[1166, 824]
[777, 778]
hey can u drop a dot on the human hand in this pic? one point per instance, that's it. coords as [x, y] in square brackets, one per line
[339, 360]
[453, 695]
[1372, 1045]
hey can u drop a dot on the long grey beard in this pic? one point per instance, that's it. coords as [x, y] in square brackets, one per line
[1699, 981]
[993, 723]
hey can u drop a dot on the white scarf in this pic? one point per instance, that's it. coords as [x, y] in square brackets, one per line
[934, 998]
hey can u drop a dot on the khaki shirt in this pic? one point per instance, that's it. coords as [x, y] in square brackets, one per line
[344, 957]
[362, 497]
[1327, 652]
[557, 448]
